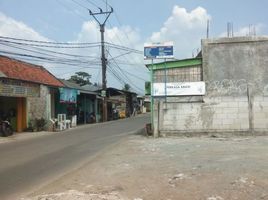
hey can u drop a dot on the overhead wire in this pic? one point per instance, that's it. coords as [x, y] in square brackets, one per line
[41, 51]
[41, 58]
[123, 74]
[68, 8]
[92, 3]
[47, 58]
[53, 46]
[117, 71]
[49, 42]
[124, 78]
[110, 69]
[81, 5]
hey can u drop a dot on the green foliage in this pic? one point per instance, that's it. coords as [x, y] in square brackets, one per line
[37, 125]
[126, 87]
[147, 88]
[81, 78]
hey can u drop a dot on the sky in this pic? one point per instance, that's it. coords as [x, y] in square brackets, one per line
[133, 23]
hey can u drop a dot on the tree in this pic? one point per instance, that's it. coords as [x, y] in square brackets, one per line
[126, 87]
[81, 78]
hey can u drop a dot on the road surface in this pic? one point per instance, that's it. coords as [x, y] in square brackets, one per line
[32, 163]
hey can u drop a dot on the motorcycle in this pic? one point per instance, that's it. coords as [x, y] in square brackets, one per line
[5, 128]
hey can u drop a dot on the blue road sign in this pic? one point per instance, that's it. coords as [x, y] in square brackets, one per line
[158, 51]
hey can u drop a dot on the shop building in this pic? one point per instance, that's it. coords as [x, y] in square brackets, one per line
[26, 92]
[124, 102]
[74, 100]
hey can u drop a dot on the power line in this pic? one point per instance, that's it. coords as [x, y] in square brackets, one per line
[126, 35]
[79, 4]
[68, 8]
[65, 44]
[52, 46]
[97, 77]
[110, 69]
[121, 71]
[125, 78]
[50, 42]
[92, 3]
[124, 48]
[49, 59]
[40, 51]
[134, 76]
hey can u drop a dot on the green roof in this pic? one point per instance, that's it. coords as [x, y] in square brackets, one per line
[176, 64]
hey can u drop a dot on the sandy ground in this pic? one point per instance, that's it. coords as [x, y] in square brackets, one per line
[142, 168]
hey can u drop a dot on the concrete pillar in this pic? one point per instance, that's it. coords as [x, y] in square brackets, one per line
[96, 109]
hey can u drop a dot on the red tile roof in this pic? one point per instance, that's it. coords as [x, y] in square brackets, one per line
[20, 70]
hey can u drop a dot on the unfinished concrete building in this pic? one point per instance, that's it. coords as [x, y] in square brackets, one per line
[235, 73]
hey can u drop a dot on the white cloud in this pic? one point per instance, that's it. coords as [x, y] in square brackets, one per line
[125, 36]
[89, 32]
[12, 28]
[185, 28]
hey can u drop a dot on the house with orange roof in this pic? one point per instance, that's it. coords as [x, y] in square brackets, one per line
[27, 92]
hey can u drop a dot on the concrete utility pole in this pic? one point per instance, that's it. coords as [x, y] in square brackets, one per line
[103, 58]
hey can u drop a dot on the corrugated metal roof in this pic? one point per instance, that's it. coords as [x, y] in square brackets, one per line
[73, 85]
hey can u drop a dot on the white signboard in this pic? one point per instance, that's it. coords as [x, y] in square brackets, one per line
[179, 89]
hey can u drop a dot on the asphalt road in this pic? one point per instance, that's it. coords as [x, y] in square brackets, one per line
[26, 165]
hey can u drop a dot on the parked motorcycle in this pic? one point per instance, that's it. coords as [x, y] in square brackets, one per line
[5, 128]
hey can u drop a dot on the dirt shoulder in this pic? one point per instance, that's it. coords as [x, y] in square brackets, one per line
[141, 168]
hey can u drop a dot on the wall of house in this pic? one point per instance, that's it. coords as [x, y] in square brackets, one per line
[39, 107]
[236, 100]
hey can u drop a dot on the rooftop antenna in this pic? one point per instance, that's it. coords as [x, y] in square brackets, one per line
[230, 30]
[208, 28]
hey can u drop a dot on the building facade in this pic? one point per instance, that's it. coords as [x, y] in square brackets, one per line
[83, 104]
[235, 74]
[26, 92]
[166, 111]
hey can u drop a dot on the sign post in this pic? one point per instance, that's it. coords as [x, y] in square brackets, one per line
[157, 51]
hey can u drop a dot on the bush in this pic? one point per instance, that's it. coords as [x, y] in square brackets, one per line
[40, 124]
[37, 125]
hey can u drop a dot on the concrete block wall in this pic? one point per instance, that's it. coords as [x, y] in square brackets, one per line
[236, 99]
[260, 116]
[214, 114]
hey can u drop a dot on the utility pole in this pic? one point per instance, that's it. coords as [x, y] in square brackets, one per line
[103, 58]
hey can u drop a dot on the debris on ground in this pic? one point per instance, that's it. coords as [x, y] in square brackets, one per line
[141, 168]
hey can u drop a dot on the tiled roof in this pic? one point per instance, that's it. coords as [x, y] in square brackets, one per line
[15, 69]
